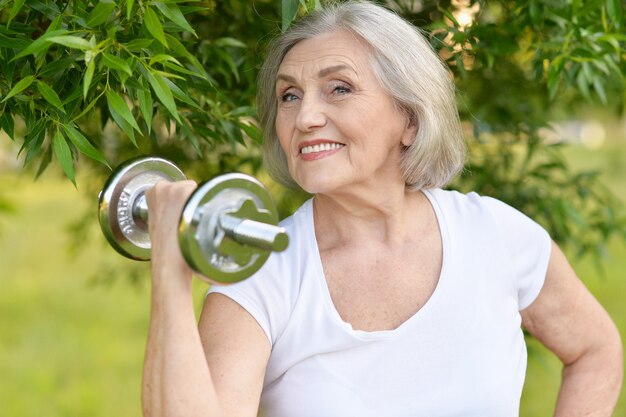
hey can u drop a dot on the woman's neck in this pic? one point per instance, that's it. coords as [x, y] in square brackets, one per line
[387, 217]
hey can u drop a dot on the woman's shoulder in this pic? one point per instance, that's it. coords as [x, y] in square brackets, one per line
[459, 203]
[481, 212]
[470, 202]
[299, 218]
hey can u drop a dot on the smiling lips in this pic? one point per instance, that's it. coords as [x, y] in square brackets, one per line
[314, 151]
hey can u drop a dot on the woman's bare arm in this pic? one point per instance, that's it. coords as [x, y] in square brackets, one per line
[237, 351]
[569, 321]
[180, 378]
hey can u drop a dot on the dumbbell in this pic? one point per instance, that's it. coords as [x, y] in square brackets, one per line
[227, 229]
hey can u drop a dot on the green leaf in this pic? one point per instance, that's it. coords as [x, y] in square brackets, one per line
[83, 145]
[587, 71]
[289, 12]
[163, 58]
[71, 42]
[129, 8]
[535, 12]
[23, 84]
[48, 9]
[225, 56]
[145, 105]
[118, 105]
[554, 75]
[137, 45]
[195, 9]
[64, 155]
[55, 24]
[167, 75]
[100, 14]
[180, 94]
[314, 5]
[182, 70]
[34, 147]
[40, 44]
[88, 77]
[245, 111]
[253, 132]
[599, 87]
[601, 65]
[235, 43]
[180, 49]
[7, 124]
[613, 66]
[13, 43]
[612, 40]
[124, 125]
[191, 137]
[45, 160]
[163, 93]
[34, 138]
[173, 13]
[177, 47]
[116, 63]
[583, 87]
[232, 132]
[15, 9]
[614, 10]
[56, 69]
[50, 95]
[89, 106]
[154, 26]
[7, 67]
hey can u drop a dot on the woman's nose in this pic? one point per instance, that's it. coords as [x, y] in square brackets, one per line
[311, 114]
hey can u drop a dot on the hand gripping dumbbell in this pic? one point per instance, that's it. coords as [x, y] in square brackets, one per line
[227, 229]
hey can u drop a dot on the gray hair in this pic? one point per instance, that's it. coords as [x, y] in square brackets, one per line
[407, 68]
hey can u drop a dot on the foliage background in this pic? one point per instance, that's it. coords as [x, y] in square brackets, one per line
[84, 85]
[98, 82]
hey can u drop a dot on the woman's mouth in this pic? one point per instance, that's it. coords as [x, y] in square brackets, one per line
[322, 147]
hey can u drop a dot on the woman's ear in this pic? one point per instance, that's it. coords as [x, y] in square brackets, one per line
[410, 131]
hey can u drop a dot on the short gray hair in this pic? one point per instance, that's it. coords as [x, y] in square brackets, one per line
[408, 69]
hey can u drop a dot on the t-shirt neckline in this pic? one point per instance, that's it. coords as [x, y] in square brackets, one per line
[324, 291]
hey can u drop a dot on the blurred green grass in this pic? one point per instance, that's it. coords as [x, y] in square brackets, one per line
[72, 348]
[66, 348]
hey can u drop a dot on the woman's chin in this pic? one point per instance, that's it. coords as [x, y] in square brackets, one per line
[318, 186]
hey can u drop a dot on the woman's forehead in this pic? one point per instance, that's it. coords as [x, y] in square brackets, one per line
[336, 51]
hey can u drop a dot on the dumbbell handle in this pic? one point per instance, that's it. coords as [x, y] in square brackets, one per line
[244, 231]
[140, 210]
[253, 233]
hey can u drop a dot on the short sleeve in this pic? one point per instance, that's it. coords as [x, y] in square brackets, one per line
[261, 296]
[269, 295]
[529, 248]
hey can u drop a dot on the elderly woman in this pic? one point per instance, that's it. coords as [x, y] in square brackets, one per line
[395, 297]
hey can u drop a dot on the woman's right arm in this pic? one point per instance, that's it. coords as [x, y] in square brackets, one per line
[215, 368]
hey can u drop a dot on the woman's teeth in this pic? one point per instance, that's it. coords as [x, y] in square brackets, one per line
[320, 148]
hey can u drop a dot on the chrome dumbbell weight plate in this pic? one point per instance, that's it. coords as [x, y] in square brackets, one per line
[228, 228]
[121, 205]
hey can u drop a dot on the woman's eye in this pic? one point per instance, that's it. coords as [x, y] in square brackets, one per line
[341, 89]
[287, 97]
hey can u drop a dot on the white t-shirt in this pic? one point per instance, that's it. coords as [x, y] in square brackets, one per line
[461, 354]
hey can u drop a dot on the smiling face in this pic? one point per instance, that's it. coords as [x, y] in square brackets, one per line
[336, 124]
